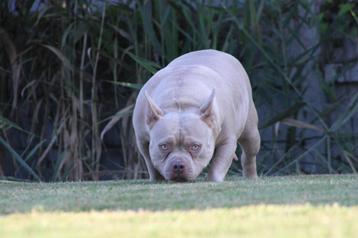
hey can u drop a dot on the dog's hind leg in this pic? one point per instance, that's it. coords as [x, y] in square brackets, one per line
[250, 144]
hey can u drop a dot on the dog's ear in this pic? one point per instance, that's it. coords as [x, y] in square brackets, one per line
[154, 113]
[207, 109]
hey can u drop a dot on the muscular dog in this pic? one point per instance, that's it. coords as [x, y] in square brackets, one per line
[192, 113]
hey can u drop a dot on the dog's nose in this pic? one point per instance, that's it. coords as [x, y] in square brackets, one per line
[178, 167]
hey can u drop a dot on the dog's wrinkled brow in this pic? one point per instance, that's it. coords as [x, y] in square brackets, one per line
[169, 139]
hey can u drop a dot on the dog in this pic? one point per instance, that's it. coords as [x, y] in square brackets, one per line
[192, 113]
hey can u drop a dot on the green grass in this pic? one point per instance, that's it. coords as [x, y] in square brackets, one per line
[303, 206]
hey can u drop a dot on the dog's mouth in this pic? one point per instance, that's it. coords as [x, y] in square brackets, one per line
[179, 179]
[181, 176]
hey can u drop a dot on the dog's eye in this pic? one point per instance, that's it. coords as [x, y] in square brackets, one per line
[195, 147]
[164, 147]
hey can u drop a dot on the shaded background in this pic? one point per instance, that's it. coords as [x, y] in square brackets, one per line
[70, 72]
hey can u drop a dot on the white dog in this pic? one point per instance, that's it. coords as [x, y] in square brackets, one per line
[192, 113]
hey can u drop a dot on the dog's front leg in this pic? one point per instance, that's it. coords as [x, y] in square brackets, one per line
[223, 157]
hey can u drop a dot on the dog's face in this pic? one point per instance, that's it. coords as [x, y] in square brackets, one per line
[181, 143]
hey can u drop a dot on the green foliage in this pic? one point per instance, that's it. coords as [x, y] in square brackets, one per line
[339, 18]
[67, 68]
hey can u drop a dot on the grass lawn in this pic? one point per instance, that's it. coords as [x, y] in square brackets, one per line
[304, 206]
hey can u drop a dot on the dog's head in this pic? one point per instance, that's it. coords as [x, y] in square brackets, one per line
[181, 143]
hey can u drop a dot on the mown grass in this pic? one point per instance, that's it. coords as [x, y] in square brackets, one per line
[300, 206]
[253, 221]
[140, 194]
